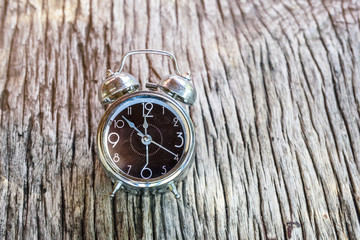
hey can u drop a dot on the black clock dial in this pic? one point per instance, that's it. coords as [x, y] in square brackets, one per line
[146, 139]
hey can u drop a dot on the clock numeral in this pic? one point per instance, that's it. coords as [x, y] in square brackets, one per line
[146, 173]
[113, 139]
[163, 110]
[119, 123]
[176, 120]
[129, 111]
[116, 157]
[147, 107]
[176, 158]
[164, 167]
[179, 134]
[129, 166]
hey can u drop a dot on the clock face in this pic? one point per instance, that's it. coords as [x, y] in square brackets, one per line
[145, 138]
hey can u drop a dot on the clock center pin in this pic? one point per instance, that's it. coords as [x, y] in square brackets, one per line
[146, 139]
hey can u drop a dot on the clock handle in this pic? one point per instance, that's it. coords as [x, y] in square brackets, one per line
[177, 86]
[187, 76]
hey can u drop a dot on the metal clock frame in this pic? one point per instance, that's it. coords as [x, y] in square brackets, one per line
[159, 184]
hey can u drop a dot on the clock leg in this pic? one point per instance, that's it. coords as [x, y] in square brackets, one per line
[116, 188]
[173, 189]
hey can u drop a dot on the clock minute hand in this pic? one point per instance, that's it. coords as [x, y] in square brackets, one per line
[132, 125]
[161, 147]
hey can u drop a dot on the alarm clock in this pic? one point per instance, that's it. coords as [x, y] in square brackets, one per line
[146, 139]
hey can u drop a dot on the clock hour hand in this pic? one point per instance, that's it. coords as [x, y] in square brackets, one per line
[161, 146]
[132, 125]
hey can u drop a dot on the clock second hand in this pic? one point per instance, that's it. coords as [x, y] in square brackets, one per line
[145, 125]
[147, 155]
[160, 146]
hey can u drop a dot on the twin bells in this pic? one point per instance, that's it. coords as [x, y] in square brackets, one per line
[118, 84]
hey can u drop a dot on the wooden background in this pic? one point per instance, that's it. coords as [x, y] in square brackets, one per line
[277, 118]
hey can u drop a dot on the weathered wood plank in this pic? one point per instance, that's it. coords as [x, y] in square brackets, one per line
[277, 118]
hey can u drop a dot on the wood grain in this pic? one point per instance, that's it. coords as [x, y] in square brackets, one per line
[277, 118]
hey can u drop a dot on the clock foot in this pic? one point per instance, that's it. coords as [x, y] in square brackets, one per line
[116, 188]
[173, 189]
